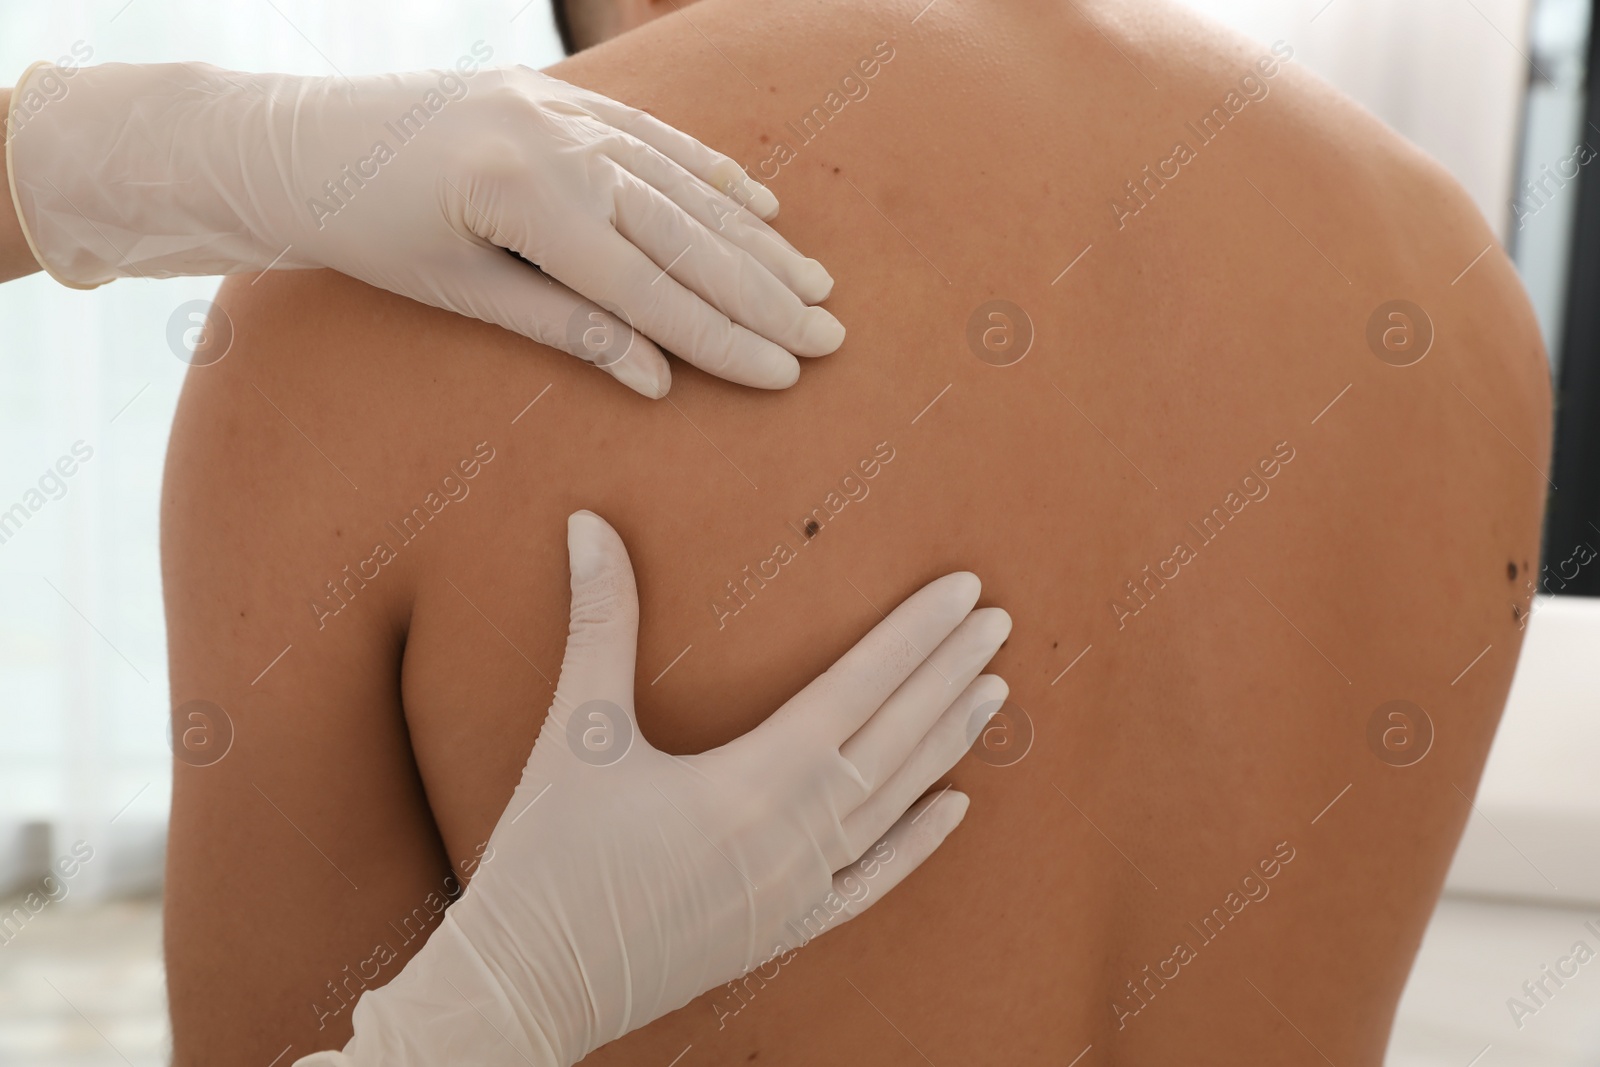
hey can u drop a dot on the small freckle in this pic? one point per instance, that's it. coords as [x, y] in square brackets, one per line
[1524, 564]
[752, 1056]
[1511, 572]
[765, 139]
[812, 527]
[1055, 644]
[836, 170]
[772, 89]
[338, 532]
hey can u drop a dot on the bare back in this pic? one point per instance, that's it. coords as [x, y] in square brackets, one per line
[1228, 531]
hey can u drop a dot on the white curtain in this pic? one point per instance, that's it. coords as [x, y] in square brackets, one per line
[83, 695]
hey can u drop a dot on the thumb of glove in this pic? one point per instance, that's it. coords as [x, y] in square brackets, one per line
[593, 705]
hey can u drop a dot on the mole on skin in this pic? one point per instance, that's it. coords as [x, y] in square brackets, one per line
[812, 527]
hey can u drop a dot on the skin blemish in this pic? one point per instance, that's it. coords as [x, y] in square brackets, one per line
[836, 170]
[1511, 572]
[1055, 644]
[812, 527]
[765, 139]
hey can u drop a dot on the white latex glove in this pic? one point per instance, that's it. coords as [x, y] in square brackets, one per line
[622, 882]
[419, 183]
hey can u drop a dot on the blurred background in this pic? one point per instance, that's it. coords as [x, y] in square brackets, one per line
[1495, 89]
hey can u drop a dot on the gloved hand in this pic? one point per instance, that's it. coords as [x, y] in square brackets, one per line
[419, 183]
[622, 882]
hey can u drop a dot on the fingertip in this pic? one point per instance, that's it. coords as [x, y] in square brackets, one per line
[939, 813]
[813, 283]
[825, 283]
[949, 599]
[736, 183]
[762, 201]
[958, 595]
[591, 543]
[648, 390]
[766, 366]
[823, 333]
[986, 696]
[662, 383]
[584, 524]
[643, 369]
[963, 585]
[791, 374]
[996, 624]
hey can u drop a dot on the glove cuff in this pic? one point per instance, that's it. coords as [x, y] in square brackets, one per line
[8, 126]
[122, 170]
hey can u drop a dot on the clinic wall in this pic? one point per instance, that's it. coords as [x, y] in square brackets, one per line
[1449, 75]
[1536, 815]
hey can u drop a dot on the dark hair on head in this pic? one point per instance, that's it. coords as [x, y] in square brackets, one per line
[558, 8]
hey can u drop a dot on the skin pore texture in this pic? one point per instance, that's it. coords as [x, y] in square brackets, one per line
[1227, 531]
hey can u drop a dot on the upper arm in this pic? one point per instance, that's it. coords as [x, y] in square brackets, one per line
[309, 839]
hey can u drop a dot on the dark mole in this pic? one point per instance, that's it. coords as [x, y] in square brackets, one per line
[1511, 572]
[1055, 644]
[836, 170]
[812, 527]
[765, 139]
[752, 1056]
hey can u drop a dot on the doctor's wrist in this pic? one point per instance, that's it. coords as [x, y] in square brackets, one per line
[16, 258]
